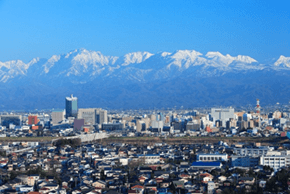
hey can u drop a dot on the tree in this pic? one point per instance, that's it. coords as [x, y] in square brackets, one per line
[103, 176]
[214, 172]
[75, 142]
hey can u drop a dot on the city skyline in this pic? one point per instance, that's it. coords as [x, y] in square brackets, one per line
[144, 97]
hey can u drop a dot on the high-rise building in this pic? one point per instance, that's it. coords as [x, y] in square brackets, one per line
[71, 106]
[93, 116]
[32, 120]
[222, 114]
[57, 116]
[140, 126]
[102, 116]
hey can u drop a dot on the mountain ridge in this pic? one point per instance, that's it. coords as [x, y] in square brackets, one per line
[82, 61]
[143, 79]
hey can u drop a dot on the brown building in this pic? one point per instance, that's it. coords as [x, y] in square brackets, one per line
[32, 120]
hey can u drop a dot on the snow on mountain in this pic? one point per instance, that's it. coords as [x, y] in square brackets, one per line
[86, 57]
[14, 68]
[218, 59]
[33, 61]
[185, 58]
[82, 65]
[282, 62]
[164, 54]
[89, 62]
[50, 63]
[136, 57]
[245, 59]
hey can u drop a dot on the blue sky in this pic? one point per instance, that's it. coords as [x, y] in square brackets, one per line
[41, 28]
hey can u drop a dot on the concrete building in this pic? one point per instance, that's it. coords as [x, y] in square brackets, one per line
[150, 158]
[157, 125]
[192, 126]
[222, 114]
[243, 125]
[274, 162]
[32, 120]
[57, 116]
[244, 161]
[71, 106]
[251, 124]
[231, 123]
[256, 151]
[211, 157]
[93, 116]
[6, 120]
[177, 125]
[79, 124]
[140, 125]
[112, 126]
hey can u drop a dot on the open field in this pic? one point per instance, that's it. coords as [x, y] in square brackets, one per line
[190, 140]
[272, 141]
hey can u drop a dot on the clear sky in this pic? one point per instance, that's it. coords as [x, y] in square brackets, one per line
[41, 28]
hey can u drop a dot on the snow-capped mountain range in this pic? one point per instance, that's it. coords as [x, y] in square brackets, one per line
[137, 73]
[87, 65]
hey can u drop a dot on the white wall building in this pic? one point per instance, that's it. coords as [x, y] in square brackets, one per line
[274, 162]
[150, 158]
[211, 157]
[252, 151]
[222, 114]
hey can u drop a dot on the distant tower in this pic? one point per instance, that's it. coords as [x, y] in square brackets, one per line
[71, 106]
[258, 109]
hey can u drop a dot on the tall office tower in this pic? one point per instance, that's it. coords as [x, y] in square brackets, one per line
[101, 116]
[71, 106]
[140, 126]
[159, 117]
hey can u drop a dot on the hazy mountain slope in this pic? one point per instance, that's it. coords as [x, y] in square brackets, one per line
[142, 79]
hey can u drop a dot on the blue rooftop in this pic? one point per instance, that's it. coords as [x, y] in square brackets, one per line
[206, 164]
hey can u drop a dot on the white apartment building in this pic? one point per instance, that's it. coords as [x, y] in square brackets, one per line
[252, 151]
[274, 162]
[150, 158]
[211, 157]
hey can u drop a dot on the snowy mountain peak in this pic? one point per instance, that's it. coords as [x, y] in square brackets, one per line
[228, 59]
[212, 54]
[183, 54]
[283, 61]
[82, 65]
[90, 57]
[164, 54]
[136, 57]
[218, 59]
[71, 52]
[245, 59]
[186, 58]
[33, 61]
[14, 64]
[50, 62]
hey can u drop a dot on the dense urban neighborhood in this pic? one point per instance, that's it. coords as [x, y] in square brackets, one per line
[144, 97]
[93, 150]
